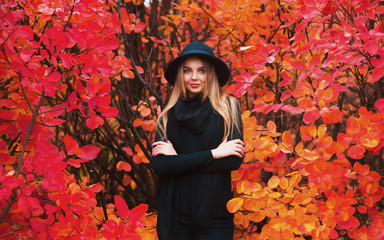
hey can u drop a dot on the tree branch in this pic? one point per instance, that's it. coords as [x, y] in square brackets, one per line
[128, 45]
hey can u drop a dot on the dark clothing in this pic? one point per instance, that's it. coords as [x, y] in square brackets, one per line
[192, 183]
[220, 229]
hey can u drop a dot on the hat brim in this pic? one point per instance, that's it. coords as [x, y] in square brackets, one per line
[221, 68]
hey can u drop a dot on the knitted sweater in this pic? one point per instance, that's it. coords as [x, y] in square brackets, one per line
[193, 182]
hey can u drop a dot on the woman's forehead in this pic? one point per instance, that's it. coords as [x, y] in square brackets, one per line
[193, 61]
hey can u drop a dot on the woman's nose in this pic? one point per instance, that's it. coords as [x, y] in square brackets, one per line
[194, 75]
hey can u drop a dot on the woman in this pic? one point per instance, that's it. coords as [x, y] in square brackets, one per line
[198, 143]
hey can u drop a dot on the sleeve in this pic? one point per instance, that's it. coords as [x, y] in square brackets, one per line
[231, 162]
[177, 164]
[227, 163]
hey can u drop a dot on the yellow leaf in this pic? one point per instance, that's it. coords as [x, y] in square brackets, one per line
[283, 183]
[275, 195]
[273, 181]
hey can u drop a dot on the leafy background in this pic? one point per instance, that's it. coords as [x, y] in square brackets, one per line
[82, 85]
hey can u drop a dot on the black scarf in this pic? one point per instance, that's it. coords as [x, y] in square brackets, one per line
[192, 113]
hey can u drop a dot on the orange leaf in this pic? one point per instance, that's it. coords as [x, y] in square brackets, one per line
[287, 141]
[144, 111]
[331, 115]
[361, 169]
[121, 165]
[273, 181]
[271, 126]
[284, 183]
[234, 204]
[356, 152]
[256, 216]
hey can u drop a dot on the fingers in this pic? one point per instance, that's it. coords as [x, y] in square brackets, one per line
[163, 148]
[160, 143]
[238, 141]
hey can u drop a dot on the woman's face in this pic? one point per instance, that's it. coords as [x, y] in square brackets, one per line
[195, 76]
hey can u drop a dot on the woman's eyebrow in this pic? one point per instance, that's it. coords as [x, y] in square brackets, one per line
[198, 67]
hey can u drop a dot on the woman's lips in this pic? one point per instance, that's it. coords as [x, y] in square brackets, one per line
[194, 85]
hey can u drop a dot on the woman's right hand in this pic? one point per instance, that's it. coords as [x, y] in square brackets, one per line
[229, 148]
[163, 148]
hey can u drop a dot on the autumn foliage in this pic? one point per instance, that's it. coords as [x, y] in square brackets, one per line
[82, 86]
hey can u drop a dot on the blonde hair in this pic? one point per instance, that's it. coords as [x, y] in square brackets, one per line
[223, 104]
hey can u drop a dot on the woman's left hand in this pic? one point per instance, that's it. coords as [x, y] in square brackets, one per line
[163, 148]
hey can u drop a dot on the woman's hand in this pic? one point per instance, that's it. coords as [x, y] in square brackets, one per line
[229, 148]
[163, 148]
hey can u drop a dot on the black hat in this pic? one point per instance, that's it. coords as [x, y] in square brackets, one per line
[201, 50]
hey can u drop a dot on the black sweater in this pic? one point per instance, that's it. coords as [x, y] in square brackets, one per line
[193, 182]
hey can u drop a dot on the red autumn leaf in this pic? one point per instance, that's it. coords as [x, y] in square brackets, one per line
[74, 162]
[380, 105]
[292, 110]
[140, 26]
[94, 122]
[377, 74]
[148, 125]
[110, 112]
[6, 103]
[122, 165]
[57, 110]
[298, 65]
[356, 152]
[38, 224]
[3, 157]
[24, 32]
[136, 159]
[361, 169]
[137, 212]
[96, 187]
[26, 54]
[315, 60]
[311, 115]
[128, 150]
[6, 115]
[331, 115]
[101, 101]
[329, 8]
[371, 46]
[55, 76]
[90, 152]
[121, 206]
[106, 45]
[140, 69]
[53, 121]
[43, 8]
[23, 204]
[238, 89]
[66, 59]
[70, 144]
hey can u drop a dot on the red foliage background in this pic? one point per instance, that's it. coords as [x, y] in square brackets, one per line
[82, 86]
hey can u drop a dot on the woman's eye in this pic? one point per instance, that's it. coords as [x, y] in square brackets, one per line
[187, 71]
[202, 71]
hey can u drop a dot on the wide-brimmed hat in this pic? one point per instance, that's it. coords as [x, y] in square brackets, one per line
[201, 50]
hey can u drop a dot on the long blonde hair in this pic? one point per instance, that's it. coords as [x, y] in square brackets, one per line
[223, 104]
